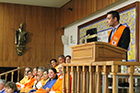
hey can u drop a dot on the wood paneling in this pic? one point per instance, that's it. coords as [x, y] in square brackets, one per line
[43, 27]
[81, 9]
[59, 32]
[99, 4]
[44, 37]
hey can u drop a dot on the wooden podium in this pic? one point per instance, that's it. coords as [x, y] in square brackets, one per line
[97, 51]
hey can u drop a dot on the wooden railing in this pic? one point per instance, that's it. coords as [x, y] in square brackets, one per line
[89, 77]
[12, 73]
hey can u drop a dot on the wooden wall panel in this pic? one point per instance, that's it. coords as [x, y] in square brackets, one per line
[105, 3]
[75, 9]
[1, 35]
[89, 6]
[59, 32]
[99, 4]
[93, 6]
[81, 9]
[42, 28]
[68, 14]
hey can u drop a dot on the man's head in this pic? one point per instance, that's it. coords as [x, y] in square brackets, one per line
[60, 69]
[10, 87]
[41, 70]
[2, 84]
[113, 18]
[61, 59]
[37, 77]
[27, 69]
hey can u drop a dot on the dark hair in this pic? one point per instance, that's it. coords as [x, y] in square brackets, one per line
[68, 56]
[11, 85]
[30, 71]
[54, 70]
[46, 71]
[114, 14]
[36, 68]
[62, 56]
[53, 60]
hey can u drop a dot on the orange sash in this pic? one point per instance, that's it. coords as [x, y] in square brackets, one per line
[117, 35]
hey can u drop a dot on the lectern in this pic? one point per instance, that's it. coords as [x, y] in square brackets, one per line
[97, 51]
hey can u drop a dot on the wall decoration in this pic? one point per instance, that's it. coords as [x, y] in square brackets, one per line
[20, 40]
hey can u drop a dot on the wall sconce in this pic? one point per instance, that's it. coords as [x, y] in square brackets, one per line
[65, 40]
[70, 8]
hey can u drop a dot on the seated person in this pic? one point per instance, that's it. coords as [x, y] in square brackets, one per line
[30, 80]
[57, 87]
[2, 84]
[29, 86]
[68, 59]
[11, 87]
[41, 71]
[54, 64]
[35, 71]
[61, 59]
[25, 79]
[40, 83]
[52, 79]
[45, 78]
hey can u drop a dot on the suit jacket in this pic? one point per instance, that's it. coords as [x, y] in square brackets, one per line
[125, 38]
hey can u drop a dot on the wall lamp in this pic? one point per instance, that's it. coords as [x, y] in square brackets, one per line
[70, 8]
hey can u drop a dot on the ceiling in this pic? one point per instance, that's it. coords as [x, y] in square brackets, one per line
[46, 3]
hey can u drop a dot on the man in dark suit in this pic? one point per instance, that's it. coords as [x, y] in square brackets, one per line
[119, 35]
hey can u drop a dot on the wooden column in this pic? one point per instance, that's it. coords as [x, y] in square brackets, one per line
[131, 71]
[78, 79]
[75, 83]
[63, 87]
[68, 79]
[106, 71]
[114, 69]
[84, 79]
[91, 80]
[94, 79]
[18, 75]
[98, 73]
[12, 75]
[87, 81]
[6, 77]
[73, 79]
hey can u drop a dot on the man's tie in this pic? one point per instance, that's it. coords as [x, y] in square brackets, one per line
[113, 31]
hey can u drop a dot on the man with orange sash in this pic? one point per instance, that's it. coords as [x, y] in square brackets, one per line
[31, 79]
[120, 34]
[25, 79]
